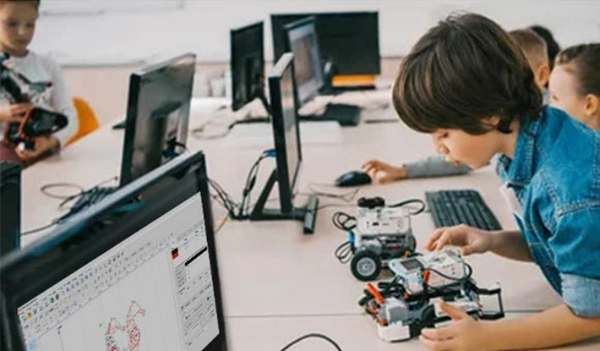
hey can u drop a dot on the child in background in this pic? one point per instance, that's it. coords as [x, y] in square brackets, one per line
[575, 83]
[547, 160]
[552, 47]
[534, 48]
[17, 26]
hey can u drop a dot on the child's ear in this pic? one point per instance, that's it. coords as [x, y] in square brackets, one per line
[542, 75]
[592, 105]
[492, 121]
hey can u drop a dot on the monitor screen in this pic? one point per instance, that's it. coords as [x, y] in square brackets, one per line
[247, 64]
[286, 130]
[136, 273]
[350, 40]
[308, 71]
[158, 112]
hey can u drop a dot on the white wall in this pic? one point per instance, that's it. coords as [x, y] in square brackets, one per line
[203, 26]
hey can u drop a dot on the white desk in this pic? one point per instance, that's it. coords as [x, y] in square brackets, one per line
[274, 278]
[351, 333]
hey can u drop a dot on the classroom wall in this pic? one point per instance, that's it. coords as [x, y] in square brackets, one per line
[138, 31]
[99, 44]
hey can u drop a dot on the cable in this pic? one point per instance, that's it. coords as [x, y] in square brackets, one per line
[221, 224]
[39, 229]
[411, 201]
[44, 189]
[312, 335]
[461, 279]
[344, 221]
[344, 252]
[69, 199]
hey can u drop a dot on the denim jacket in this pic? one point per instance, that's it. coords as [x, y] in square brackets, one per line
[555, 175]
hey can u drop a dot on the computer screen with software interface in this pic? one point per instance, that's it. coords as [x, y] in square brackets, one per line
[138, 273]
[153, 291]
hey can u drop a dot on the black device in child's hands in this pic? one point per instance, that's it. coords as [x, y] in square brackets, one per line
[37, 121]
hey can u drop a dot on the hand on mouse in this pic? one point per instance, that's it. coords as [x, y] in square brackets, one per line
[381, 172]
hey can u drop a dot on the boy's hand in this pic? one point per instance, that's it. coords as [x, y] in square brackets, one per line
[470, 240]
[42, 146]
[13, 113]
[381, 172]
[463, 333]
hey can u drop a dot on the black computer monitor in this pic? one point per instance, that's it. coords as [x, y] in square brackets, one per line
[302, 41]
[349, 40]
[10, 207]
[137, 272]
[158, 110]
[288, 150]
[248, 66]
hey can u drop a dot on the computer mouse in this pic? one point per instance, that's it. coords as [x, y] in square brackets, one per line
[353, 178]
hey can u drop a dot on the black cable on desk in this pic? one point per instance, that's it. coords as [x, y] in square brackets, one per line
[312, 335]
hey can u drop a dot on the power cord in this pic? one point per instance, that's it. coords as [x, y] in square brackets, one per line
[45, 190]
[346, 223]
[411, 201]
[312, 335]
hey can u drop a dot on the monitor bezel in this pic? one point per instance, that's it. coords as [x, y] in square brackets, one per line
[285, 183]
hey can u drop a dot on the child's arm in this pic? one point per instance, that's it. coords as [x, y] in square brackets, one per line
[510, 244]
[434, 166]
[554, 327]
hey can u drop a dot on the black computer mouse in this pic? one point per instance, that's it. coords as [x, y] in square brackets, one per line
[353, 178]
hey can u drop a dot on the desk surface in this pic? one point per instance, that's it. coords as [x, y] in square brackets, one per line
[351, 333]
[274, 277]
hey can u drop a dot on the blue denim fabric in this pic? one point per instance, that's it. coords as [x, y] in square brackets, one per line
[555, 174]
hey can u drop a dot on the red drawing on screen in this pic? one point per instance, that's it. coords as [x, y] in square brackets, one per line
[131, 328]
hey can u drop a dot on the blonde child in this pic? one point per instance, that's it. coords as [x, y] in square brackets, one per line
[17, 27]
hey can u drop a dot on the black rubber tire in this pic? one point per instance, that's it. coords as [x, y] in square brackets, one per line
[365, 265]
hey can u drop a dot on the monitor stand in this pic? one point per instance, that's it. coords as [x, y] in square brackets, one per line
[307, 215]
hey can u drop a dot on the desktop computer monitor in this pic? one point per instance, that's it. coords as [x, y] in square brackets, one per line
[137, 272]
[10, 207]
[348, 40]
[247, 66]
[288, 150]
[158, 110]
[302, 41]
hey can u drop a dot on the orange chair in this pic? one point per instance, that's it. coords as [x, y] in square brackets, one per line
[87, 120]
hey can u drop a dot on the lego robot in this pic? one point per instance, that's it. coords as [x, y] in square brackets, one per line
[379, 234]
[407, 304]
